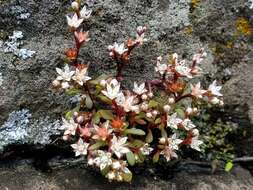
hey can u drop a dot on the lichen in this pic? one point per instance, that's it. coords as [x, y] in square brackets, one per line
[21, 128]
[12, 45]
[243, 26]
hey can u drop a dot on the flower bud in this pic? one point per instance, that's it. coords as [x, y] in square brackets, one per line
[195, 110]
[162, 140]
[171, 100]
[65, 137]
[215, 101]
[159, 59]
[195, 132]
[150, 94]
[189, 110]
[149, 115]
[221, 103]
[144, 106]
[144, 97]
[116, 165]
[103, 83]
[166, 108]
[56, 83]
[90, 161]
[75, 5]
[80, 119]
[75, 114]
[154, 113]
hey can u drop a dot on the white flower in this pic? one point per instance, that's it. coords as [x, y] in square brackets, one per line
[215, 101]
[85, 13]
[118, 48]
[69, 127]
[140, 36]
[116, 165]
[169, 149]
[74, 22]
[146, 149]
[64, 75]
[75, 5]
[214, 89]
[119, 146]
[112, 89]
[195, 143]
[174, 141]
[80, 148]
[197, 91]
[127, 102]
[103, 160]
[81, 76]
[188, 125]
[111, 175]
[139, 89]
[160, 67]
[173, 121]
[182, 69]
[199, 57]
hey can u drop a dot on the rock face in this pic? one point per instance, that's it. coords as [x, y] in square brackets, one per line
[30, 109]
[26, 178]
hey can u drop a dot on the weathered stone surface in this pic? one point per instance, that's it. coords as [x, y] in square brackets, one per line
[27, 178]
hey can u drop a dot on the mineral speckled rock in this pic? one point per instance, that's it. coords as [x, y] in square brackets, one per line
[74, 178]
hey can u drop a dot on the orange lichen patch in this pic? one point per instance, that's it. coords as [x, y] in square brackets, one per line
[243, 26]
[194, 3]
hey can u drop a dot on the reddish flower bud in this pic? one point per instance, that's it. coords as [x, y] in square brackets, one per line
[71, 53]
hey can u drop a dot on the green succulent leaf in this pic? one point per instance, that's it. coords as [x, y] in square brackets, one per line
[135, 131]
[106, 114]
[130, 158]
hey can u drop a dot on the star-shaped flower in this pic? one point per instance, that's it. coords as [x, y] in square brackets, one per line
[173, 121]
[80, 148]
[197, 91]
[118, 146]
[69, 127]
[215, 89]
[103, 159]
[112, 89]
[102, 132]
[85, 13]
[139, 89]
[81, 76]
[74, 22]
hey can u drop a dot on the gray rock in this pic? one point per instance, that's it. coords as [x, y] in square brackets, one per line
[27, 178]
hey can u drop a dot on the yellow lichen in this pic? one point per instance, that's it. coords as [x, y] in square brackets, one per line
[194, 3]
[243, 26]
[188, 30]
[230, 45]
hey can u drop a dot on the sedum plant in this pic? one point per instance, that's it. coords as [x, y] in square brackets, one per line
[115, 128]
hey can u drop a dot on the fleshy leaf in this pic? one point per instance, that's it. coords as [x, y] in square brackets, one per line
[97, 145]
[149, 137]
[130, 158]
[88, 102]
[106, 114]
[135, 131]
